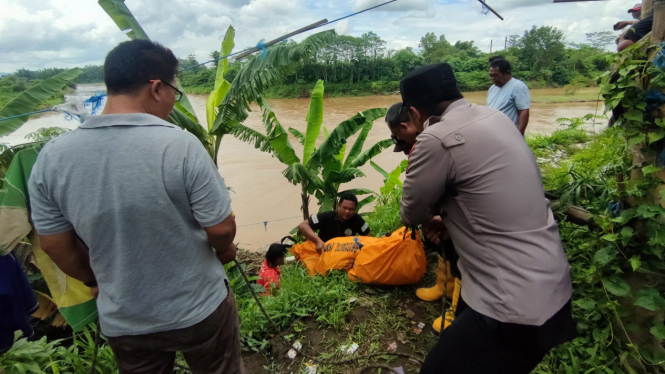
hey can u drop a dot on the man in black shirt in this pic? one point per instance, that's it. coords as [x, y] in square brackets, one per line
[636, 32]
[333, 224]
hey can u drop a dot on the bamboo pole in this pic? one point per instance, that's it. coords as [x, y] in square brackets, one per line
[281, 38]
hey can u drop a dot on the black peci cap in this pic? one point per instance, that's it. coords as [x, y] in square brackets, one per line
[429, 85]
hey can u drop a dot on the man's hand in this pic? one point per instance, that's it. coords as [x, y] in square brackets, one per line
[436, 231]
[319, 246]
[228, 255]
[221, 238]
[310, 235]
[94, 291]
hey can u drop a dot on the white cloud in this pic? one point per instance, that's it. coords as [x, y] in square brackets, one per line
[65, 33]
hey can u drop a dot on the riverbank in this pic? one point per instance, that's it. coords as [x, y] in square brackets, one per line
[339, 90]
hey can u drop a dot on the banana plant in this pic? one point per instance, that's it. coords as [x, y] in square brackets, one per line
[228, 104]
[30, 100]
[390, 180]
[322, 170]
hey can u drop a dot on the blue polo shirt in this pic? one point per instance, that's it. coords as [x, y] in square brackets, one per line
[510, 98]
[138, 191]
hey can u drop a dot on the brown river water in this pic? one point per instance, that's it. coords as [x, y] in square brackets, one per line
[261, 193]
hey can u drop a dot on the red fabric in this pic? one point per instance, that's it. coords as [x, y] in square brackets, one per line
[268, 275]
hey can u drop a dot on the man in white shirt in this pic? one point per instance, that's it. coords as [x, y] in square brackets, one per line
[508, 95]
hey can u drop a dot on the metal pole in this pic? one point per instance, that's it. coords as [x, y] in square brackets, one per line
[491, 46]
[505, 44]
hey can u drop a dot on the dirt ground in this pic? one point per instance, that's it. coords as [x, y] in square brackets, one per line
[380, 316]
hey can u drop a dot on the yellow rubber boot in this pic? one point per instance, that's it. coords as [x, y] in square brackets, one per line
[450, 315]
[436, 292]
[437, 324]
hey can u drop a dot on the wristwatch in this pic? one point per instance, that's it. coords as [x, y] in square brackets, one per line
[92, 283]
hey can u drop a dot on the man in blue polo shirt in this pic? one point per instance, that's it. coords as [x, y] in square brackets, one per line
[135, 208]
[508, 95]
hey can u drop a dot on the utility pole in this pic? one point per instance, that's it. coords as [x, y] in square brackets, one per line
[505, 44]
[491, 46]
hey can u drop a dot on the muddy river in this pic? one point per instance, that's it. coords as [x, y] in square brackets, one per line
[261, 193]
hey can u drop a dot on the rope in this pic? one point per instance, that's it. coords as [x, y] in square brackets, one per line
[26, 114]
[264, 50]
[266, 222]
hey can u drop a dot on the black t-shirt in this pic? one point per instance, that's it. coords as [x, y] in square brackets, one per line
[331, 227]
[639, 30]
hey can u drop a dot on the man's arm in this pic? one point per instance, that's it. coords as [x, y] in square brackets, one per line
[624, 44]
[622, 25]
[522, 104]
[69, 254]
[221, 238]
[430, 169]
[524, 120]
[310, 235]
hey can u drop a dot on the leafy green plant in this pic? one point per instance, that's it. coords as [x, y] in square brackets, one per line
[30, 99]
[323, 169]
[231, 100]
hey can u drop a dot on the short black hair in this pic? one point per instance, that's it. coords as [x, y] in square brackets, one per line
[348, 196]
[497, 57]
[130, 65]
[275, 252]
[396, 115]
[502, 64]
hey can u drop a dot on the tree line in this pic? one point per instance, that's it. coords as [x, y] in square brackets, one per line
[358, 65]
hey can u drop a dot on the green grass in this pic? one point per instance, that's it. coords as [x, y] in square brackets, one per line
[582, 95]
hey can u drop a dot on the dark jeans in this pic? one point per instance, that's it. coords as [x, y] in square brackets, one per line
[212, 346]
[477, 344]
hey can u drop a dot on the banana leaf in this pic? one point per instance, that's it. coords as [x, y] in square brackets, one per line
[334, 143]
[358, 191]
[123, 17]
[364, 202]
[30, 99]
[248, 135]
[380, 170]
[185, 122]
[314, 120]
[221, 85]
[357, 147]
[259, 74]
[300, 136]
[373, 151]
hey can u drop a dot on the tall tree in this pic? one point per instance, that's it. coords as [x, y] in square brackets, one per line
[541, 48]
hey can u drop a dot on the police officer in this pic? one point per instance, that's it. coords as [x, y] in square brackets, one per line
[472, 175]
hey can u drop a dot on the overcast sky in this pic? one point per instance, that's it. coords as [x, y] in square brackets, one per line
[66, 33]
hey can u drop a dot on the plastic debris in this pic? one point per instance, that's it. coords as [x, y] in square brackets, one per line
[398, 370]
[311, 368]
[392, 347]
[353, 300]
[291, 353]
[417, 331]
[402, 339]
[350, 349]
[297, 345]
[421, 325]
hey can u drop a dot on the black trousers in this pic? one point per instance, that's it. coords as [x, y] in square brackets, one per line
[477, 344]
